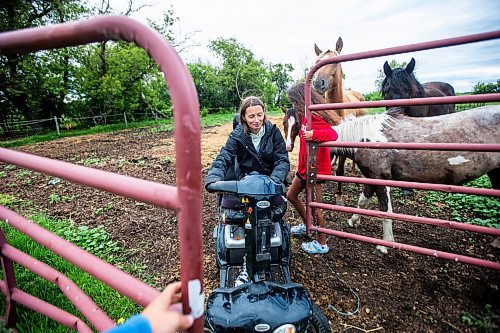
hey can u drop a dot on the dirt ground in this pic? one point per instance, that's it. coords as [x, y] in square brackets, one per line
[358, 290]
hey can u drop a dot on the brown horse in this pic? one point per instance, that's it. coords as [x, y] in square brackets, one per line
[478, 125]
[400, 83]
[328, 81]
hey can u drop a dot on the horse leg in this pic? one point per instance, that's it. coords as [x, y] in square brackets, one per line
[385, 205]
[339, 172]
[363, 201]
[494, 176]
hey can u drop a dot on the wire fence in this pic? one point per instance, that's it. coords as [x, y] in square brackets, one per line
[22, 128]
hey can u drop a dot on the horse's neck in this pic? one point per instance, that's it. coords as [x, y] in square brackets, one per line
[336, 93]
[367, 128]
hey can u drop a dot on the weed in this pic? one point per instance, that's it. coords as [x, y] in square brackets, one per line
[487, 321]
[3, 174]
[101, 211]
[10, 167]
[11, 185]
[91, 161]
[7, 200]
[54, 198]
[23, 173]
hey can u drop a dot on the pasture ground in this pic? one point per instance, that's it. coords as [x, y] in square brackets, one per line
[399, 292]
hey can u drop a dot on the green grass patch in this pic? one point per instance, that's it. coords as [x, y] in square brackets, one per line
[478, 210]
[94, 240]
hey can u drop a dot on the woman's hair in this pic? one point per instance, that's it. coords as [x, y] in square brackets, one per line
[296, 97]
[245, 104]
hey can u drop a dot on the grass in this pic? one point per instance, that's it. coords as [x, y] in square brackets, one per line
[93, 240]
[478, 210]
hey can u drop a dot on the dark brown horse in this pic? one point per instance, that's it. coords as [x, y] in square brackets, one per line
[478, 125]
[400, 83]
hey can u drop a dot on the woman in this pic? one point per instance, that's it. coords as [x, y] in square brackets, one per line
[256, 145]
[321, 131]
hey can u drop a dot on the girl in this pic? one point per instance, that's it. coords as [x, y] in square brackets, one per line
[321, 131]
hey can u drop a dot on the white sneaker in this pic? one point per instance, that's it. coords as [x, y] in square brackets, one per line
[298, 229]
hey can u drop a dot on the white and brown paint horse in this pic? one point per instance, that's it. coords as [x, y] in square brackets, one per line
[480, 125]
[328, 81]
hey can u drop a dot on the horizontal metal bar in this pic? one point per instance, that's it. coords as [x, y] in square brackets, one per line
[483, 98]
[415, 185]
[409, 218]
[75, 295]
[411, 248]
[484, 147]
[47, 309]
[125, 284]
[154, 193]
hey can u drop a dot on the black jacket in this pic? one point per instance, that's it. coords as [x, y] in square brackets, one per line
[271, 160]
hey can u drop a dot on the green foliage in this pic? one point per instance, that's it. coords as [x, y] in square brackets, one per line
[373, 96]
[473, 209]
[7, 200]
[487, 321]
[486, 88]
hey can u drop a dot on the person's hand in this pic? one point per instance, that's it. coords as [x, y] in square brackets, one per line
[164, 313]
[308, 135]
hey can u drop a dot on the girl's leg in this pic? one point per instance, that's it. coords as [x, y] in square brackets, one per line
[293, 196]
[319, 215]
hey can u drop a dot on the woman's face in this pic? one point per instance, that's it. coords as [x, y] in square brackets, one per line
[254, 117]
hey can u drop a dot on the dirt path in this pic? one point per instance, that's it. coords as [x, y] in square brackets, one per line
[399, 292]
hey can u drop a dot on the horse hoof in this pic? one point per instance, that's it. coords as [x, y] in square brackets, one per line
[380, 250]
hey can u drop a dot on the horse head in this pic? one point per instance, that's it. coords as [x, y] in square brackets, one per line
[328, 76]
[291, 125]
[399, 82]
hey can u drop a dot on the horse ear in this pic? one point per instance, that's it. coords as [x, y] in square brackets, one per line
[284, 109]
[387, 69]
[317, 49]
[411, 66]
[340, 45]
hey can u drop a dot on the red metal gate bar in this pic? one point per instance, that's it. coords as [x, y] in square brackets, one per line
[410, 218]
[46, 309]
[484, 98]
[186, 124]
[488, 147]
[411, 248]
[125, 284]
[418, 186]
[75, 295]
[399, 49]
[154, 193]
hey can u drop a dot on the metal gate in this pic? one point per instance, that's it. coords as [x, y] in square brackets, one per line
[312, 177]
[185, 198]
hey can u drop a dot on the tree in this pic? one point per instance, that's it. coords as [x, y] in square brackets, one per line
[486, 88]
[35, 85]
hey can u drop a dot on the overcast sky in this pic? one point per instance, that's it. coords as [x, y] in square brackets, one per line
[285, 32]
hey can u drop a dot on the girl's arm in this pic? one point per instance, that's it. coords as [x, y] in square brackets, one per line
[321, 131]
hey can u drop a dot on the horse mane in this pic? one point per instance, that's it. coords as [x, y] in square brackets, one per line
[401, 81]
[369, 128]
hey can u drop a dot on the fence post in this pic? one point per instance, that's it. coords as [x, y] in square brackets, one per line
[125, 118]
[57, 125]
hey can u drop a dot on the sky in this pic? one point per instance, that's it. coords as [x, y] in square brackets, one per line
[286, 31]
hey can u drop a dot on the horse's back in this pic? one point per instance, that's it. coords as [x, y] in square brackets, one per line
[352, 96]
[478, 125]
[445, 88]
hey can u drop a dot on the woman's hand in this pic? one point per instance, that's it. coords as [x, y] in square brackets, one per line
[164, 313]
[308, 135]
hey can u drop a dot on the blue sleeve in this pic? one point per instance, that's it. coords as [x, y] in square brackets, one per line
[135, 324]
